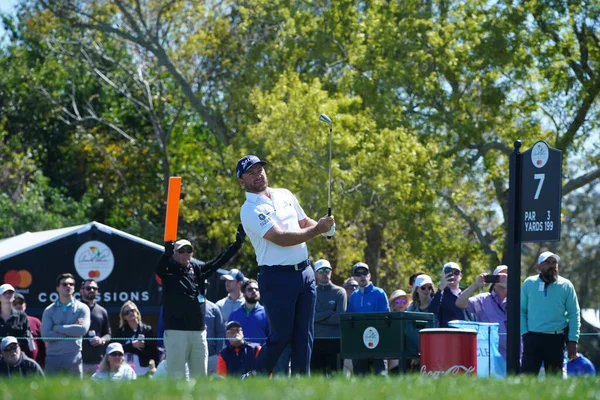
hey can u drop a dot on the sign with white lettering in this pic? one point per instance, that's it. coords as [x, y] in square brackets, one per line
[541, 193]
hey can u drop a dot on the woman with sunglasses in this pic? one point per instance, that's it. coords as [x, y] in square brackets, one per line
[422, 294]
[398, 301]
[138, 350]
[113, 366]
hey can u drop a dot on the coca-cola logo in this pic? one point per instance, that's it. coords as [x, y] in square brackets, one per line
[452, 371]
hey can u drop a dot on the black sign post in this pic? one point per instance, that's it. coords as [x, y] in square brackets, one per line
[534, 204]
[541, 193]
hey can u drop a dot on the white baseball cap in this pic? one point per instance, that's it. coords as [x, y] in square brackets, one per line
[499, 269]
[8, 341]
[546, 255]
[322, 264]
[6, 287]
[114, 347]
[452, 265]
[423, 280]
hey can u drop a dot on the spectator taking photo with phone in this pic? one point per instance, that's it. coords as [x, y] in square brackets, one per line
[443, 304]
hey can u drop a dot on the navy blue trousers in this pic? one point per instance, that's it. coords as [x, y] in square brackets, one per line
[289, 298]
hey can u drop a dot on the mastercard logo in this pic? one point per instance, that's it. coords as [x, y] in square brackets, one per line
[94, 274]
[19, 279]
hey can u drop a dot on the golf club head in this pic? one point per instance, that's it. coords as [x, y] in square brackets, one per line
[325, 118]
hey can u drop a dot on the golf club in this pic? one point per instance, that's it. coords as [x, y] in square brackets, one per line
[326, 119]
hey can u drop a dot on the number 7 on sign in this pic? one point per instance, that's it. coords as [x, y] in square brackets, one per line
[541, 177]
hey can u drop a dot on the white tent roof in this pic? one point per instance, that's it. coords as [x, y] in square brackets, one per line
[24, 242]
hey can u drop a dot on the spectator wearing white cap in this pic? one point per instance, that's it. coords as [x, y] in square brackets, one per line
[489, 306]
[184, 304]
[14, 363]
[549, 318]
[331, 302]
[443, 304]
[14, 322]
[234, 299]
[422, 294]
[113, 366]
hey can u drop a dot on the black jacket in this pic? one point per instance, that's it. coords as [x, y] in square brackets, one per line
[183, 310]
[23, 368]
[150, 350]
[18, 326]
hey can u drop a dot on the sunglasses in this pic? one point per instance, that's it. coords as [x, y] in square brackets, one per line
[17, 303]
[127, 312]
[8, 293]
[188, 250]
[116, 354]
[11, 347]
[91, 289]
[426, 288]
[251, 289]
[361, 273]
[324, 270]
[400, 301]
[65, 284]
[452, 270]
[234, 330]
[353, 287]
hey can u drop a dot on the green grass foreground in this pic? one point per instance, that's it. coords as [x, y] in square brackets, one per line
[405, 387]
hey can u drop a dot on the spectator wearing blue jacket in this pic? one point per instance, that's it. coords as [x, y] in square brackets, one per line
[367, 298]
[443, 305]
[251, 315]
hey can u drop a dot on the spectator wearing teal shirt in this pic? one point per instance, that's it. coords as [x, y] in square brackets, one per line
[549, 318]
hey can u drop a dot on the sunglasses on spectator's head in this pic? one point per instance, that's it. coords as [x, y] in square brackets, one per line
[11, 347]
[324, 270]
[451, 271]
[65, 284]
[361, 272]
[127, 312]
[353, 287]
[185, 249]
[400, 301]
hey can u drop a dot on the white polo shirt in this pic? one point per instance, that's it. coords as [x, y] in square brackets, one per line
[259, 214]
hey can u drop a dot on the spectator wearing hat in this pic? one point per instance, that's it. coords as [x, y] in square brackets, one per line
[489, 306]
[184, 304]
[549, 318]
[234, 299]
[113, 365]
[39, 354]
[279, 228]
[350, 285]
[331, 302]
[14, 363]
[99, 333]
[14, 322]
[443, 304]
[411, 280]
[65, 321]
[239, 357]
[422, 293]
[398, 301]
[368, 298]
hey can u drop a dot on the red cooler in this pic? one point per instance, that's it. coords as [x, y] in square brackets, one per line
[448, 351]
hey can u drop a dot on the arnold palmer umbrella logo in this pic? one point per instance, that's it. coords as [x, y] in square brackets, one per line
[94, 260]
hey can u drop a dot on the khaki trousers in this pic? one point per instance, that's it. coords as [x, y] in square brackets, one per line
[186, 346]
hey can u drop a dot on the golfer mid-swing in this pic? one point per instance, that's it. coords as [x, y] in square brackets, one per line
[278, 229]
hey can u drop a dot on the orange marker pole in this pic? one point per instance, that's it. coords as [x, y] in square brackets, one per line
[172, 208]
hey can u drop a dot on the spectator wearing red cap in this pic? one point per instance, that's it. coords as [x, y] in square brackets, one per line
[549, 318]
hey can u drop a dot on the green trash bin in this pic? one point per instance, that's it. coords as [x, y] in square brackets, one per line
[389, 335]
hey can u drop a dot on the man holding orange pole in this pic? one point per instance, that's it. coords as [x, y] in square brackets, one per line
[185, 305]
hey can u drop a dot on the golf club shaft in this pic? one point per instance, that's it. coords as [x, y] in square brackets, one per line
[329, 179]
